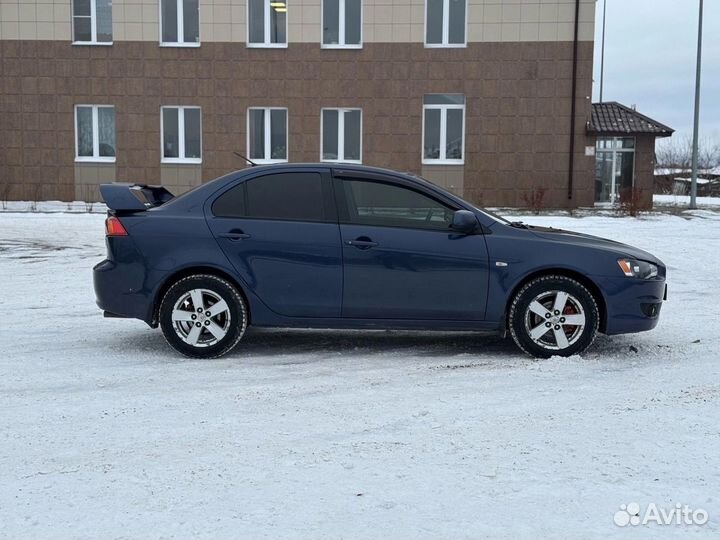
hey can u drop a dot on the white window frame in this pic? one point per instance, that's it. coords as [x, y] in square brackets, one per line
[180, 27]
[93, 26]
[341, 30]
[615, 151]
[266, 44]
[341, 134]
[446, 28]
[96, 157]
[181, 135]
[268, 134]
[442, 160]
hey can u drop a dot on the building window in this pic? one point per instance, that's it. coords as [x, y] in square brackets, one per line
[267, 23]
[94, 133]
[614, 168]
[179, 23]
[181, 132]
[445, 23]
[443, 128]
[341, 134]
[92, 22]
[342, 23]
[267, 134]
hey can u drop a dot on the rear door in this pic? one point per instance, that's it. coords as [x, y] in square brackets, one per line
[280, 231]
[401, 260]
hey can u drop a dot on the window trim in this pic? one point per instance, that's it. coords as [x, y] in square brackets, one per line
[443, 135]
[180, 22]
[445, 44]
[268, 135]
[181, 136]
[341, 28]
[341, 134]
[93, 26]
[96, 157]
[266, 44]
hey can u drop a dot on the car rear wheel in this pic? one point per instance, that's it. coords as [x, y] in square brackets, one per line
[203, 316]
[553, 315]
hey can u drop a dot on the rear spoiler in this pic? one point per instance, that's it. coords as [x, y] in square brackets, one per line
[133, 197]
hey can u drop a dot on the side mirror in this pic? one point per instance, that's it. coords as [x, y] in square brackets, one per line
[464, 221]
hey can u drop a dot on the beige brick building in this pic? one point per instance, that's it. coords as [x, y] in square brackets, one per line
[475, 95]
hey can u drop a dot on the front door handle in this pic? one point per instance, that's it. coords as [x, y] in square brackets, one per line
[362, 243]
[235, 235]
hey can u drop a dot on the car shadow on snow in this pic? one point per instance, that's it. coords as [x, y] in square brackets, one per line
[451, 350]
[302, 346]
[366, 343]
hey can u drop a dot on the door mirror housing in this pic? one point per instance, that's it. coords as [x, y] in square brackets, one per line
[464, 221]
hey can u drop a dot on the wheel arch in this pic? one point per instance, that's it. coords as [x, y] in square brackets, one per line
[588, 283]
[190, 271]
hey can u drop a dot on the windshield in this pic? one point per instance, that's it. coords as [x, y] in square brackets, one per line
[493, 215]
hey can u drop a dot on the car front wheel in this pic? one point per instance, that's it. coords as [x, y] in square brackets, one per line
[203, 316]
[553, 315]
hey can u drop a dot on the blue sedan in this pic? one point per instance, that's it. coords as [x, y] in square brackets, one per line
[344, 246]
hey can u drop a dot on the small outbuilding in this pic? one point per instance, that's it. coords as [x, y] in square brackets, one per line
[624, 153]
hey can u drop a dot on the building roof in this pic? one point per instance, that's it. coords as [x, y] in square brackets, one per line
[613, 118]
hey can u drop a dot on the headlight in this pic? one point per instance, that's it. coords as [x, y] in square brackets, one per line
[638, 269]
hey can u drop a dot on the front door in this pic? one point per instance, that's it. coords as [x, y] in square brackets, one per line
[402, 261]
[280, 232]
[614, 168]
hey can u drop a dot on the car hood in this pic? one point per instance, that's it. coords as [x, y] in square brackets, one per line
[580, 239]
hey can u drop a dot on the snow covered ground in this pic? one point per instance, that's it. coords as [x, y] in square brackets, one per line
[684, 200]
[106, 433]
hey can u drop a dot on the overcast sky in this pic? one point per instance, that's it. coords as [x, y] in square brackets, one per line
[650, 53]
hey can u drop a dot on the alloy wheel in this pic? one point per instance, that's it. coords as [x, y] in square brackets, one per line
[555, 320]
[201, 318]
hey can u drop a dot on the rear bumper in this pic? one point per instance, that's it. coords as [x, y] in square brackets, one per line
[119, 291]
[633, 305]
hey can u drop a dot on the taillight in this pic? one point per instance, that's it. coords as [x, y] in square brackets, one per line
[113, 227]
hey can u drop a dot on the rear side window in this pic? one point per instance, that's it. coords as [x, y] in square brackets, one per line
[291, 196]
[231, 204]
[389, 205]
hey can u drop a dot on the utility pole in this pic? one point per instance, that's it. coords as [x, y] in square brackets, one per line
[696, 124]
[602, 52]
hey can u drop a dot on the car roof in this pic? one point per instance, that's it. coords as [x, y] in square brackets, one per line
[330, 165]
[201, 192]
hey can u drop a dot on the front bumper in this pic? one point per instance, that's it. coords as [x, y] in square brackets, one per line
[633, 305]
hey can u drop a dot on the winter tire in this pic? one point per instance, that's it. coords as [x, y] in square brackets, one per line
[553, 315]
[203, 316]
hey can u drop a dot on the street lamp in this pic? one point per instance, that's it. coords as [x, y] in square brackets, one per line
[693, 183]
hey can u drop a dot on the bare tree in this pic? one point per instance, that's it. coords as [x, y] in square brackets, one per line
[676, 153]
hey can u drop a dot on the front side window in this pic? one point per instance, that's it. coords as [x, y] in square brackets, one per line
[95, 133]
[181, 135]
[267, 135]
[179, 23]
[390, 205]
[92, 21]
[342, 23]
[445, 23]
[341, 135]
[443, 128]
[267, 23]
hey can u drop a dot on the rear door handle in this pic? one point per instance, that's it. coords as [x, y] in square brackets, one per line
[234, 235]
[362, 243]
